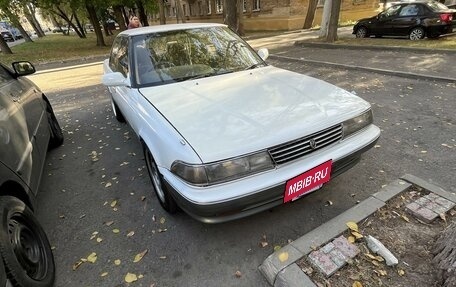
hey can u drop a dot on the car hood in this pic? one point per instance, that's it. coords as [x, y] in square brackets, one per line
[233, 114]
[364, 20]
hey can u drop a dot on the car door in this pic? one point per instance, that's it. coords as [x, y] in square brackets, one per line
[22, 128]
[384, 22]
[125, 97]
[407, 18]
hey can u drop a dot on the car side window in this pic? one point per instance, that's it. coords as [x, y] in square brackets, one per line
[118, 61]
[390, 12]
[410, 10]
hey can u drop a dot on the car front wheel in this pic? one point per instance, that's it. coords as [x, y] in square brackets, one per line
[117, 113]
[24, 247]
[416, 33]
[165, 199]
[361, 32]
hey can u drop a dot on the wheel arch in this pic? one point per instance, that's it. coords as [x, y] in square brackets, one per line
[15, 189]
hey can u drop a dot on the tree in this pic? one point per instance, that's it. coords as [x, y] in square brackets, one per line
[179, 11]
[325, 18]
[161, 7]
[92, 12]
[29, 11]
[311, 8]
[333, 21]
[232, 12]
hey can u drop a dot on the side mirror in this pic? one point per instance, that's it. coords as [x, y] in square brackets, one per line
[263, 53]
[23, 68]
[115, 79]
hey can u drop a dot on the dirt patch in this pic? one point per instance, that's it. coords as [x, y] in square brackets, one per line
[409, 239]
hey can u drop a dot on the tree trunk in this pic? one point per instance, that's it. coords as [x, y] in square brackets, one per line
[311, 8]
[445, 256]
[180, 12]
[79, 25]
[64, 16]
[29, 13]
[333, 21]
[4, 47]
[119, 17]
[240, 18]
[161, 7]
[231, 13]
[15, 21]
[96, 26]
[325, 19]
[142, 13]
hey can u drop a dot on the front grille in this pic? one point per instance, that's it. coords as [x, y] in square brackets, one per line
[298, 148]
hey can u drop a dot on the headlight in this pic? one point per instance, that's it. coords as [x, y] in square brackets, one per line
[207, 174]
[355, 124]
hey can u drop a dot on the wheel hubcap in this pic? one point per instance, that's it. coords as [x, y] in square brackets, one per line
[155, 176]
[113, 107]
[28, 248]
[416, 34]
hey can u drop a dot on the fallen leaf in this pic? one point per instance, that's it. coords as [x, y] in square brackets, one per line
[77, 264]
[92, 257]
[238, 274]
[283, 256]
[140, 256]
[405, 218]
[115, 230]
[442, 216]
[117, 262]
[162, 257]
[351, 239]
[113, 203]
[130, 234]
[140, 276]
[401, 272]
[99, 239]
[353, 226]
[143, 198]
[109, 223]
[357, 284]
[369, 255]
[375, 263]
[108, 184]
[329, 202]
[357, 235]
[162, 220]
[130, 277]
[104, 274]
[277, 247]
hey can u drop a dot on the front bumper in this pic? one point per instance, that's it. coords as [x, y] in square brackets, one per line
[250, 195]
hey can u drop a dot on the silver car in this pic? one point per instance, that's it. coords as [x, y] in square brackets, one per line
[28, 128]
[226, 135]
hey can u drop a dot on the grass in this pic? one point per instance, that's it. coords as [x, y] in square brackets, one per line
[57, 47]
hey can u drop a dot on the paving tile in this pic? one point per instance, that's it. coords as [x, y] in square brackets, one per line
[323, 262]
[348, 249]
[425, 214]
[327, 248]
[412, 207]
[445, 203]
[338, 258]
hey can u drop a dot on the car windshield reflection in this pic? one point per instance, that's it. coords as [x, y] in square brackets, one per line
[175, 56]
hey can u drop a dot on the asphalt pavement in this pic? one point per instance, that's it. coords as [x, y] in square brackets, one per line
[100, 162]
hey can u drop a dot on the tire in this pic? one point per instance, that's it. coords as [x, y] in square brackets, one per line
[24, 247]
[361, 32]
[117, 112]
[56, 138]
[2, 274]
[416, 33]
[163, 195]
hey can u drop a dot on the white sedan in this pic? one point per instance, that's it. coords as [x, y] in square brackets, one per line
[226, 135]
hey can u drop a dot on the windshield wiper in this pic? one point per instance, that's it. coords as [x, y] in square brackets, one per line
[254, 66]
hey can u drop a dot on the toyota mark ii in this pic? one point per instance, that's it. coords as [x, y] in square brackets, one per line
[225, 134]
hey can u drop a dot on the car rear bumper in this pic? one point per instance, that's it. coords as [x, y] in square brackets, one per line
[263, 191]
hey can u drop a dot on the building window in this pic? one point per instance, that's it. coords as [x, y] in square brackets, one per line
[256, 5]
[200, 8]
[244, 7]
[184, 9]
[218, 6]
[208, 7]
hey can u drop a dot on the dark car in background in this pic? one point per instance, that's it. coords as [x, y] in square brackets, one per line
[28, 128]
[416, 20]
[7, 36]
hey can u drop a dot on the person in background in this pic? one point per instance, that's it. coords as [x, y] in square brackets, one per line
[134, 22]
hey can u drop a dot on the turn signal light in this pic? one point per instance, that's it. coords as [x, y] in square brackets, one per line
[446, 17]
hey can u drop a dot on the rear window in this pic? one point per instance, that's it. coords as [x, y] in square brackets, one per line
[436, 6]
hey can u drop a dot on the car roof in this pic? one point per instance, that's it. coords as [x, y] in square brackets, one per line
[168, 27]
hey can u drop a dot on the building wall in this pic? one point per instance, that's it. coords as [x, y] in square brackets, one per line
[275, 14]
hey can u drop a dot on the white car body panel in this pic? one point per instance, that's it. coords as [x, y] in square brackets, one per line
[235, 114]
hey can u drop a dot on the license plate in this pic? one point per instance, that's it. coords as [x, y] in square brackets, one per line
[308, 181]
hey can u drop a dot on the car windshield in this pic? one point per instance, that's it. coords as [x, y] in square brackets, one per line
[174, 56]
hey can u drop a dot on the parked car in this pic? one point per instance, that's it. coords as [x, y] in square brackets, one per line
[415, 20]
[7, 36]
[28, 128]
[224, 134]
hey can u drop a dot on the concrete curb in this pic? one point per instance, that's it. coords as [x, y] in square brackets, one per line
[307, 44]
[280, 269]
[374, 70]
